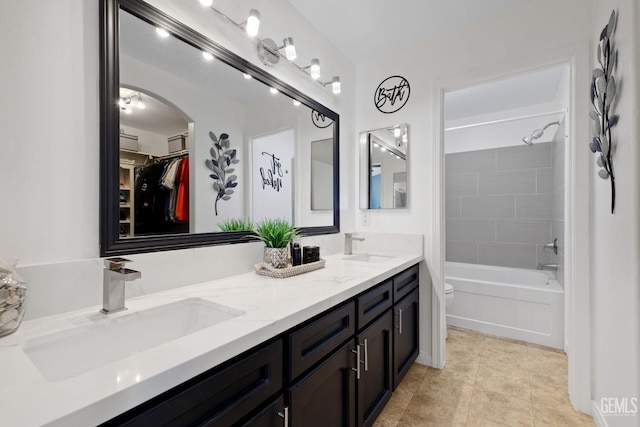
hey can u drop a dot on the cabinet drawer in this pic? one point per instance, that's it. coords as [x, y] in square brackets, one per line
[405, 282]
[217, 398]
[373, 303]
[308, 345]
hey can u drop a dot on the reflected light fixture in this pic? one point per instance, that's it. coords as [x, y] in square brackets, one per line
[208, 56]
[246, 76]
[206, 3]
[139, 104]
[397, 132]
[162, 32]
[273, 90]
[296, 102]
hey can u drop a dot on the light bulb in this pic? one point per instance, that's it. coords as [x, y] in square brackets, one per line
[206, 3]
[128, 110]
[315, 69]
[139, 104]
[289, 49]
[247, 76]
[208, 56]
[404, 137]
[296, 102]
[396, 132]
[162, 32]
[122, 103]
[253, 23]
[273, 90]
[383, 149]
[335, 85]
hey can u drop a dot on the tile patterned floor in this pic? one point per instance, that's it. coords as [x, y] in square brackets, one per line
[486, 382]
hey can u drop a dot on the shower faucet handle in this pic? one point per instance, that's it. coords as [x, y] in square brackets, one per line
[553, 245]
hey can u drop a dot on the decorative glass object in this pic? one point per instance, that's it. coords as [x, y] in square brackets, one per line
[13, 294]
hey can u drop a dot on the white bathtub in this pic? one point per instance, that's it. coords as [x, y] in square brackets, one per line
[514, 303]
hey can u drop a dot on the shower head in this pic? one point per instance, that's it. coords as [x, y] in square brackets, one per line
[537, 134]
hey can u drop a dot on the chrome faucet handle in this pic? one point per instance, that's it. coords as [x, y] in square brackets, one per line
[553, 245]
[116, 263]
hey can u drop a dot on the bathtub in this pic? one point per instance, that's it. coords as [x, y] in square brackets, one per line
[526, 305]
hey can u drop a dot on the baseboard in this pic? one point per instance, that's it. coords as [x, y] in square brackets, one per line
[598, 418]
[425, 359]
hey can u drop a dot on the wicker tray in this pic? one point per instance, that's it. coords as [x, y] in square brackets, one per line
[281, 273]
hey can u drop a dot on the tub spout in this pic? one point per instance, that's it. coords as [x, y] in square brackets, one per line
[553, 267]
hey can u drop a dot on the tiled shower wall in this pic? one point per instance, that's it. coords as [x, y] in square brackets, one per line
[499, 205]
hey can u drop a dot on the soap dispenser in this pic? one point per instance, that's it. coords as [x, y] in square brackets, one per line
[296, 254]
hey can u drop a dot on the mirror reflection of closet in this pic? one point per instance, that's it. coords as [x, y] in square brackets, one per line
[154, 165]
[383, 168]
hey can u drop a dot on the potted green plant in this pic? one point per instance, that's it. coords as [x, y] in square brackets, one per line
[236, 224]
[276, 235]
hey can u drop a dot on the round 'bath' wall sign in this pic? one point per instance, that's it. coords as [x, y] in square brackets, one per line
[320, 120]
[392, 94]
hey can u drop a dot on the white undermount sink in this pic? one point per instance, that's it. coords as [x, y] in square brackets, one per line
[65, 354]
[367, 257]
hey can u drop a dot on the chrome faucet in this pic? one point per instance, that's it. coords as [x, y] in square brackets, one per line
[348, 242]
[115, 276]
[553, 267]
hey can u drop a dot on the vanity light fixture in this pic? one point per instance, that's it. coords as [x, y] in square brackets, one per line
[162, 32]
[335, 84]
[252, 25]
[208, 56]
[314, 69]
[269, 51]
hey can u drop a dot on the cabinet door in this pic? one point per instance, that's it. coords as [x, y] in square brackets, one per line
[375, 384]
[405, 335]
[271, 416]
[326, 396]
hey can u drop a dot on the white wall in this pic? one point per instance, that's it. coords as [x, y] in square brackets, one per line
[616, 241]
[50, 157]
[483, 51]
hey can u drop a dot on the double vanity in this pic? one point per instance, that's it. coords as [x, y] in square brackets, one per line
[328, 346]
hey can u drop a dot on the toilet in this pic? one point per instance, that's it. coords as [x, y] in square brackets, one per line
[448, 300]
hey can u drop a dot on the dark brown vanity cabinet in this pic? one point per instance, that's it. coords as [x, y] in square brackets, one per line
[337, 369]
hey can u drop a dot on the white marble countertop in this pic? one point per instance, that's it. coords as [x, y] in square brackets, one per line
[271, 306]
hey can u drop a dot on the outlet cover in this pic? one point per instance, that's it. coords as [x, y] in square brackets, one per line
[365, 219]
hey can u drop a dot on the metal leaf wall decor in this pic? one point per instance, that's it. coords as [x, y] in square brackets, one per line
[603, 93]
[222, 157]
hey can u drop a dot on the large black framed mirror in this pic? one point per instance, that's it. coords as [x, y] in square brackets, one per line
[192, 141]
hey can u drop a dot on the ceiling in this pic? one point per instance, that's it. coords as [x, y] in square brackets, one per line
[362, 29]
